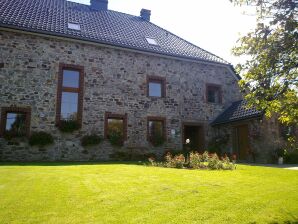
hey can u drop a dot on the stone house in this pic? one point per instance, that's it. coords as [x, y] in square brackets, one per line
[64, 61]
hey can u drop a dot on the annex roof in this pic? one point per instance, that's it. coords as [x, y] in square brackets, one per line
[236, 112]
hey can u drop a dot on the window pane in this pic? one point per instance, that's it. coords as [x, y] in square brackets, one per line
[69, 106]
[155, 89]
[155, 129]
[71, 78]
[16, 124]
[213, 95]
[115, 127]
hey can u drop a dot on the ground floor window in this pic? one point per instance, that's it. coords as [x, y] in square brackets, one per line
[116, 128]
[156, 130]
[15, 122]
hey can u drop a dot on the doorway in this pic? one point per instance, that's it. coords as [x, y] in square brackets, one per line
[241, 141]
[195, 133]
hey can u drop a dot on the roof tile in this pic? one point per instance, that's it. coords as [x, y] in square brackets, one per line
[236, 112]
[106, 27]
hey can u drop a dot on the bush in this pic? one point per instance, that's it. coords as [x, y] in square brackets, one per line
[196, 161]
[41, 139]
[214, 162]
[177, 161]
[292, 157]
[68, 126]
[89, 140]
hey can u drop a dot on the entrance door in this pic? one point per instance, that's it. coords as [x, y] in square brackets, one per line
[242, 143]
[196, 136]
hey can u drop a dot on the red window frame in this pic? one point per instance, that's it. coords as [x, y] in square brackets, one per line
[78, 90]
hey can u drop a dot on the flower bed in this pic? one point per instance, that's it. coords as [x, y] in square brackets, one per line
[195, 160]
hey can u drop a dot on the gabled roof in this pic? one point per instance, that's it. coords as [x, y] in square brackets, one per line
[238, 111]
[105, 27]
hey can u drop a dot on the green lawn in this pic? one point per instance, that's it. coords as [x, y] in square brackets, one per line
[129, 193]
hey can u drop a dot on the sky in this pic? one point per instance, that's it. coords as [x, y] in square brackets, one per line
[214, 25]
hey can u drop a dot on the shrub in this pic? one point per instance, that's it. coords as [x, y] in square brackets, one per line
[177, 161]
[69, 126]
[292, 157]
[41, 139]
[89, 140]
[196, 161]
[217, 144]
[214, 162]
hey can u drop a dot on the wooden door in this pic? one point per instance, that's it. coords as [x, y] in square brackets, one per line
[242, 140]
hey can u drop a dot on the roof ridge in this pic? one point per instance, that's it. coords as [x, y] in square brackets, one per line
[191, 43]
[101, 27]
[194, 45]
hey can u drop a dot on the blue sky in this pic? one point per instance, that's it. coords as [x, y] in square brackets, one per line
[214, 25]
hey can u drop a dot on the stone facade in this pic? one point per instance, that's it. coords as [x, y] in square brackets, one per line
[115, 81]
[265, 137]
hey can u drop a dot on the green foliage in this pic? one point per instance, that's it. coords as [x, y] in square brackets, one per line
[41, 138]
[217, 144]
[177, 161]
[196, 161]
[90, 140]
[291, 157]
[270, 75]
[114, 193]
[68, 126]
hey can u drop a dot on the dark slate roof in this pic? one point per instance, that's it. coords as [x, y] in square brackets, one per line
[105, 27]
[236, 112]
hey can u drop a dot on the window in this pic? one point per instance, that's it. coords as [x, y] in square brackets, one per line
[213, 93]
[70, 93]
[156, 86]
[74, 26]
[156, 130]
[15, 122]
[151, 41]
[115, 128]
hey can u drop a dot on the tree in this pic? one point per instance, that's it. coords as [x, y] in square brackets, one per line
[270, 75]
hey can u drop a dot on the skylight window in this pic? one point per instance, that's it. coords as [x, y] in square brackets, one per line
[74, 26]
[151, 41]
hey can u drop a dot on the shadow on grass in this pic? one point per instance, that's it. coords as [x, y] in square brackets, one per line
[139, 163]
[276, 222]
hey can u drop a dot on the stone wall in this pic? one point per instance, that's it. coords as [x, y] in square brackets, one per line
[264, 137]
[115, 81]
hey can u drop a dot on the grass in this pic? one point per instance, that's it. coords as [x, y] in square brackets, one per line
[130, 193]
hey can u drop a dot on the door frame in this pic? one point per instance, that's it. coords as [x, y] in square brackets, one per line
[236, 139]
[194, 124]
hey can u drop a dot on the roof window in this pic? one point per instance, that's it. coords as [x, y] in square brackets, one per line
[151, 41]
[74, 26]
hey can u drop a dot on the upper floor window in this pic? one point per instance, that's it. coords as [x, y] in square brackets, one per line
[213, 93]
[15, 122]
[156, 86]
[70, 93]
